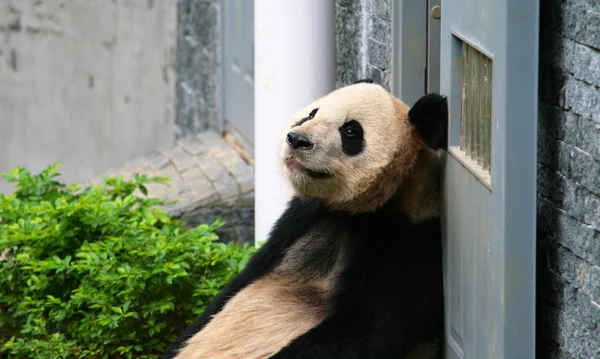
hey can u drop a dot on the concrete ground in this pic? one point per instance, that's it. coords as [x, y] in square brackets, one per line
[210, 177]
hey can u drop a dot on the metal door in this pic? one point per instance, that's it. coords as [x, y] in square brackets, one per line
[238, 68]
[488, 70]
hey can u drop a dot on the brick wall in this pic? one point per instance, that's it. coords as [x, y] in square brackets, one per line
[364, 41]
[569, 180]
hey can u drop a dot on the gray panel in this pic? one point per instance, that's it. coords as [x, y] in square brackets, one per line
[473, 294]
[409, 55]
[489, 223]
[433, 49]
[238, 67]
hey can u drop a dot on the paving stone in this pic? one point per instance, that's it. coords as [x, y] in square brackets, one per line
[202, 188]
[193, 145]
[246, 182]
[226, 186]
[178, 187]
[170, 172]
[157, 190]
[193, 175]
[210, 166]
[204, 193]
[159, 162]
[231, 160]
[204, 172]
[187, 201]
[182, 160]
[213, 141]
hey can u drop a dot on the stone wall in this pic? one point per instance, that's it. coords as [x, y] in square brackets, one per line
[89, 83]
[363, 41]
[198, 104]
[569, 181]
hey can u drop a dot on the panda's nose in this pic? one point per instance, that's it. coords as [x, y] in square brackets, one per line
[298, 141]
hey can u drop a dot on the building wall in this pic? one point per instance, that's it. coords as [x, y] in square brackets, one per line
[199, 80]
[569, 180]
[89, 83]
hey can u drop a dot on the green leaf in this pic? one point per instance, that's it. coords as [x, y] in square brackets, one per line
[117, 310]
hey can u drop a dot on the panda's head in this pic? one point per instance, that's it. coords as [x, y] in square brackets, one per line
[354, 147]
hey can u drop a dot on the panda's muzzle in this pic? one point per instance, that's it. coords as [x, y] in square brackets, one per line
[298, 141]
[293, 164]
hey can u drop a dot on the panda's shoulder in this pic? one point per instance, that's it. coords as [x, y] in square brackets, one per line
[299, 217]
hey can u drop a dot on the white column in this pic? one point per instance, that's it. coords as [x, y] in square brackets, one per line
[294, 53]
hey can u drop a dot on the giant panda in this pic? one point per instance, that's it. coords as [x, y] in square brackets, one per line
[353, 267]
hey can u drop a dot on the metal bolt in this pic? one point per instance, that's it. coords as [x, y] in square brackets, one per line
[436, 12]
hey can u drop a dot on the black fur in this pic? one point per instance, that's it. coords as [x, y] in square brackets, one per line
[369, 81]
[299, 123]
[430, 115]
[353, 144]
[317, 175]
[388, 298]
[310, 116]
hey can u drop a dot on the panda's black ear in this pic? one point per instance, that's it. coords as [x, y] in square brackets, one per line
[430, 115]
[370, 81]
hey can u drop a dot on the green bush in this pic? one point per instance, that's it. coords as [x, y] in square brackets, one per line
[100, 272]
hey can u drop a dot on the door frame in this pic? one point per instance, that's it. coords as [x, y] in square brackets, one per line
[515, 162]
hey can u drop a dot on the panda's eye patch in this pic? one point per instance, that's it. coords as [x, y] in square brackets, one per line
[352, 129]
[310, 116]
[352, 138]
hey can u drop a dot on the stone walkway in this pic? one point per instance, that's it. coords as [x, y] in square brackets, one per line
[209, 178]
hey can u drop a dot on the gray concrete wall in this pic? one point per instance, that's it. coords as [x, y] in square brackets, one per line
[364, 41]
[89, 83]
[199, 75]
[569, 181]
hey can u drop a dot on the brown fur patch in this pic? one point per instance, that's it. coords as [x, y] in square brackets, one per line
[268, 314]
[258, 321]
[419, 193]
